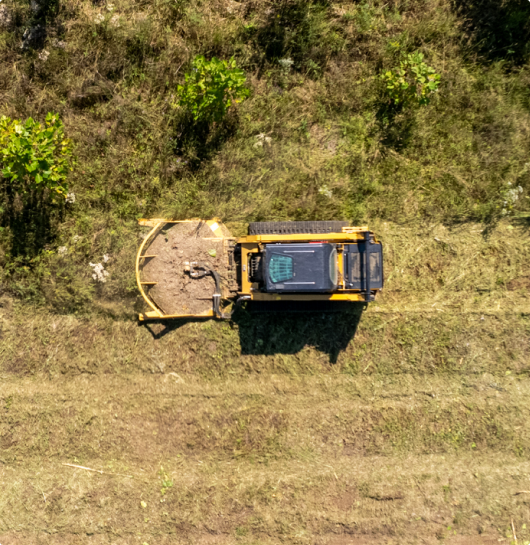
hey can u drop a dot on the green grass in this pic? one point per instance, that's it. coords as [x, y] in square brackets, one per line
[404, 423]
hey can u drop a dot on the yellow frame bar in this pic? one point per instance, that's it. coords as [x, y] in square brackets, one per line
[156, 312]
[352, 296]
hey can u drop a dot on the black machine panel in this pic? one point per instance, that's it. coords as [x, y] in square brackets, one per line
[355, 256]
[301, 267]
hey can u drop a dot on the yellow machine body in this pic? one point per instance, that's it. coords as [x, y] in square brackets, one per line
[246, 289]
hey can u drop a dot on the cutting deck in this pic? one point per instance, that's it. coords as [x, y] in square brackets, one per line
[163, 266]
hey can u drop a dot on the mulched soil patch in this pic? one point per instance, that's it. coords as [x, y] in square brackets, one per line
[176, 292]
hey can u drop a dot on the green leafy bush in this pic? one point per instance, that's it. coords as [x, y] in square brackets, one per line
[34, 156]
[35, 160]
[413, 82]
[211, 88]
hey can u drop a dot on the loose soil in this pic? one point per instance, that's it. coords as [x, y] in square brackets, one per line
[521, 283]
[176, 291]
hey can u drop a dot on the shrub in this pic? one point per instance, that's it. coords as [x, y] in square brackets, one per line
[413, 82]
[211, 88]
[35, 156]
[35, 160]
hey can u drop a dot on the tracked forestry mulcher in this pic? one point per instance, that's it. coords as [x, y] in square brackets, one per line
[196, 269]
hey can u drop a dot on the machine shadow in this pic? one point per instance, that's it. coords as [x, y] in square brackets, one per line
[282, 332]
[289, 332]
[160, 328]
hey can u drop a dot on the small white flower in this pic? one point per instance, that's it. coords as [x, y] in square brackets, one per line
[43, 55]
[99, 18]
[262, 139]
[325, 190]
[62, 250]
[106, 257]
[286, 64]
[110, 7]
[59, 44]
[115, 21]
[76, 238]
[70, 198]
[99, 274]
[512, 195]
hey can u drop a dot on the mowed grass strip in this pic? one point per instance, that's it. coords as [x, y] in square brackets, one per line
[182, 500]
[138, 418]
[404, 423]
[375, 342]
[456, 300]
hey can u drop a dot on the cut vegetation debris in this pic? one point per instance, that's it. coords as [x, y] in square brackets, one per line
[173, 248]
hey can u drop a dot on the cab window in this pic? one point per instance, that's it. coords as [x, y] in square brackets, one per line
[280, 268]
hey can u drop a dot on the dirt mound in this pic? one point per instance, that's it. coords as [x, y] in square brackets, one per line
[174, 245]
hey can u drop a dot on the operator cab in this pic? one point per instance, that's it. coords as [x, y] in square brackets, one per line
[298, 267]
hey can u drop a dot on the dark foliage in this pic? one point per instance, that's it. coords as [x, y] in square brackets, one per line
[198, 141]
[32, 220]
[291, 30]
[43, 13]
[498, 29]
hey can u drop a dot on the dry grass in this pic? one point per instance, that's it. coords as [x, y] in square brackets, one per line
[321, 489]
[246, 433]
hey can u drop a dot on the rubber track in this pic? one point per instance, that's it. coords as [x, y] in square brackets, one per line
[295, 227]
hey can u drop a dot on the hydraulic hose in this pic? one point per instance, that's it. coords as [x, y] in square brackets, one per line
[217, 295]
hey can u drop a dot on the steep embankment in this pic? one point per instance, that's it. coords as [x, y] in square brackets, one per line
[318, 138]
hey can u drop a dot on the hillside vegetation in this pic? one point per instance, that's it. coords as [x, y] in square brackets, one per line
[318, 138]
[403, 423]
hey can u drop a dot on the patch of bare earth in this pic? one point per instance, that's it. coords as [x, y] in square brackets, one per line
[176, 292]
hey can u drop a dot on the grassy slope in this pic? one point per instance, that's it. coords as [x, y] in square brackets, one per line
[391, 428]
[337, 151]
